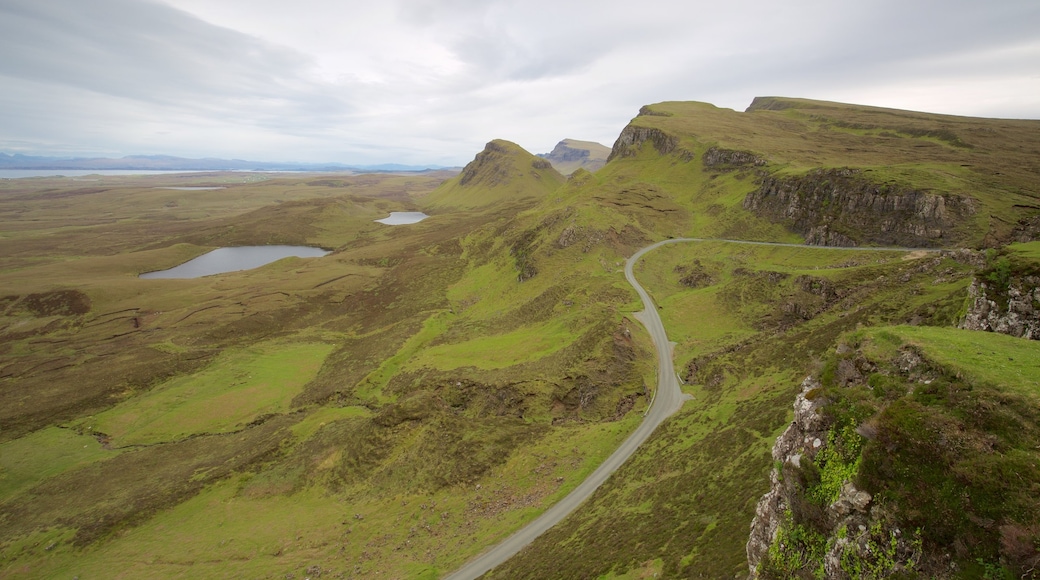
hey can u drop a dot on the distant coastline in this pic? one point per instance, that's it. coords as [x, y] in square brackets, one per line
[164, 163]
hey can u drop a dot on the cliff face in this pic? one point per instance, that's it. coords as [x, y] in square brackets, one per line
[803, 437]
[633, 137]
[841, 207]
[851, 524]
[1014, 310]
[570, 155]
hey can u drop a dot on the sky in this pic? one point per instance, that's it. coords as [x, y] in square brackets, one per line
[431, 81]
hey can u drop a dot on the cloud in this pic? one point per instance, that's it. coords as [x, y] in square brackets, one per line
[433, 80]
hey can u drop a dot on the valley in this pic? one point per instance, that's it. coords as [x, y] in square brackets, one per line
[406, 402]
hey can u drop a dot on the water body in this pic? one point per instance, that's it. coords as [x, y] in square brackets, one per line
[234, 259]
[403, 218]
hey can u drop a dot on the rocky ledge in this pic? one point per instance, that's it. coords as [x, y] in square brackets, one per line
[842, 207]
[1014, 310]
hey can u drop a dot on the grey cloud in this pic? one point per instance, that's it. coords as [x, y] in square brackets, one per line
[153, 53]
[433, 80]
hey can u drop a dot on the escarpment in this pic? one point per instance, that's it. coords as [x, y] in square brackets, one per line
[633, 137]
[571, 155]
[841, 207]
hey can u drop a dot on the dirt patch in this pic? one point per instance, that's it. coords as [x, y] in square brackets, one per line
[56, 303]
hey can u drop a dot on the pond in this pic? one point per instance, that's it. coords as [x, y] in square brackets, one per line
[234, 259]
[402, 218]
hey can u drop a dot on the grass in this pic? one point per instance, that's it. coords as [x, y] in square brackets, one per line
[227, 530]
[706, 468]
[237, 388]
[241, 394]
[373, 384]
[496, 351]
[423, 391]
[984, 358]
[44, 454]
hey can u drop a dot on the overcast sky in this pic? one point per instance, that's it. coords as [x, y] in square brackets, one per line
[431, 81]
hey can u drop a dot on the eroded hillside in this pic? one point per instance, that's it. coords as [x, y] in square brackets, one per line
[396, 407]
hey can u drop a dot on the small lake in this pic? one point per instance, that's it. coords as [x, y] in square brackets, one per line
[403, 218]
[234, 259]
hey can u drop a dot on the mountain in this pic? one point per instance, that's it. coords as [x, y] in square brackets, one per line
[570, 155]
[398, 406]
[503, 171]
[171, 163]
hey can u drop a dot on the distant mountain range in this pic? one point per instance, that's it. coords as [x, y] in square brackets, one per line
[171, 163]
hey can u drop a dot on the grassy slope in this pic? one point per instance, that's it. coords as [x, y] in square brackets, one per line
[992, 160]
[697, 481]
[352, 380]
[427, 452]
[502, 172]
[749, 336]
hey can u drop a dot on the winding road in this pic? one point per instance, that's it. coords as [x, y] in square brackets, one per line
[668, 399]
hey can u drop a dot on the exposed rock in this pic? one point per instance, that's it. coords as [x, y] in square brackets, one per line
[695, 275]
[716, 158]
[1027, 229]
[1016, 312]
[841, 207]
[850, 501]
[794, 443]
[854, 527]
[486, 166]
[647, 111]
[633, 137]
[571, 155]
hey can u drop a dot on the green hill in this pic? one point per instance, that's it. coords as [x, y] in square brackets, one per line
[401, 404]
[502, 172]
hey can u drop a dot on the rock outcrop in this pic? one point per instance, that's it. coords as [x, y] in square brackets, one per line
[1014, 311]
[850, 531]
[571, 155]
[632, 138]
[841, 207]
[803, 438]
[723, 159]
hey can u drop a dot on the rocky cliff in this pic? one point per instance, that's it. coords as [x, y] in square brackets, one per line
[1013, 309]
[843, 533]
[906, 460]
[632, 138]
[842, 207]
[570, 155]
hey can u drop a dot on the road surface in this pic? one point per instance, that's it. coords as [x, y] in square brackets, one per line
[667, 400]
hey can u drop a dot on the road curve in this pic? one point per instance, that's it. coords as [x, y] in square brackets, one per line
[667, 400]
